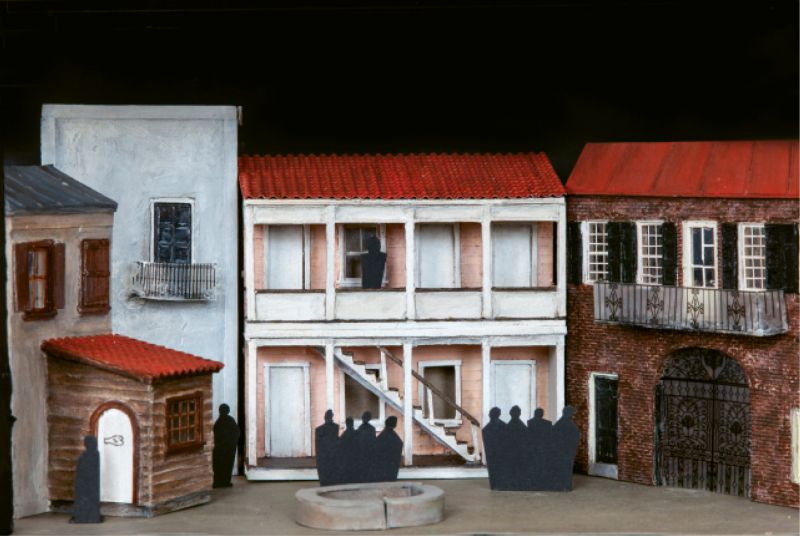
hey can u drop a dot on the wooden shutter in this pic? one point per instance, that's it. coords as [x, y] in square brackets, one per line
[781, 256]
[94, 276]
[628, 252]
[669, 252]
[791, 252]
[730, 279]
[614, 238]
[21, 276]
[575, 251]
[58, 275]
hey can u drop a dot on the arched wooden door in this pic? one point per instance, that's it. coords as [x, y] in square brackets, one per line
[115, 428]
[703, 423]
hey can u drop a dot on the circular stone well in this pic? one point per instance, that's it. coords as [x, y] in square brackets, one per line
[372, 506]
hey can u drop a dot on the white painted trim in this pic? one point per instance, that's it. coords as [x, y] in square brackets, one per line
[411, 280]
[329, 375]
[556, 382]
[252, 411]
[354, 282]
[185, 200]
[406, 473]
[740, 254]
[640, 246]
[306, 256]
[492, 372]
[486, 248]
[456, 364]
[794, 415]
[306, 394]
[557, 202]
[376, 421]
[687, 250]
[585, 249]
[523, 340]
[330, 264]
[486, 387]
[595, 468]
[408, 405]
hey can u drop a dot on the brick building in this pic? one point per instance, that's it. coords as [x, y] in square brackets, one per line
[682, 354]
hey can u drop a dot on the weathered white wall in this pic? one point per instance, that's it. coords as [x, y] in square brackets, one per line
[29, 449]
[134, 154]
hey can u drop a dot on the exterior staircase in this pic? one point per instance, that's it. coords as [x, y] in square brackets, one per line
[445, 435]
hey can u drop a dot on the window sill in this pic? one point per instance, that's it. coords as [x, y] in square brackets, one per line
[449, 289]
[180, 449]
[290, 291]
[538, 289]
[359, 289]
[94, 310]
[38, 315]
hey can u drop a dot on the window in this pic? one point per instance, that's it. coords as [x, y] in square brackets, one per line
[700, 254]
[595, 251]
[358, 399]
[172, 232]
[354, 240]
[446, 377]
[651, 253]
[752, 255]
[39, 278]
[287, 256]
[185, 422]
[94, 277]
[514, 255]
[437, 257]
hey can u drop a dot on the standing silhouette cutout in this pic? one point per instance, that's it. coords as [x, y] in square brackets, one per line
[373, 264]
[346, 453]
[494, 434]
[365, 448]
[226, 439]
[540, 432]
[515, 450]
[326, 438]
[388, 449]
[565, 437]
[86, 508]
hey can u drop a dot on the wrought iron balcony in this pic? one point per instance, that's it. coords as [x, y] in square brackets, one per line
[177, 282]
[755, 313]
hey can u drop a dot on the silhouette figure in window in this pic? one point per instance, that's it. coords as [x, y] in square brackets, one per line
[86, 508]
[326, 438]
[226, 439]
[373, 264]
[388, 449]
[494, 434]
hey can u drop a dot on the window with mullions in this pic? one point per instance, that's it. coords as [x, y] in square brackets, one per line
[355, 244]
[702, 255]
[184, 422]
[753, 256]
[39, 278]
[650, 253]
[172, 232]
[596, 251]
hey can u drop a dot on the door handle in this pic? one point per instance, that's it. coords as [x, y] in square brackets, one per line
[114, 440]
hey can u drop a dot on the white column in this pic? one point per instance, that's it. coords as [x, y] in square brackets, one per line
[486, 375]
[408, 405]
[249, 265]
[556, 381]
[330, 244]
[252, 410]
[561, 310]
[411, 283]
[486, 247]
[329, 377]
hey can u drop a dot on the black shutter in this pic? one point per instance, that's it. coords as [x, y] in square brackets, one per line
[791, 251]
[781, 256]
[628, 252]
[614, 237]
[669, 254]
[58, 275]
[575, 264]
[730, 272]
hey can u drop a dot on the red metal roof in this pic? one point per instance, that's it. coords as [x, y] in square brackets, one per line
[402, 176]
[728, 169]
[130, 357]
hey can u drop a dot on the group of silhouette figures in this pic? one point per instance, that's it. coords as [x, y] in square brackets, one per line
[358, 455]
[537, 456]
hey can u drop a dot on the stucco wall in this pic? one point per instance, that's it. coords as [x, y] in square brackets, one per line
[134, 154]
[28, 365]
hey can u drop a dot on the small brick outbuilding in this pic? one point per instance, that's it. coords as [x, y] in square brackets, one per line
[151, 410]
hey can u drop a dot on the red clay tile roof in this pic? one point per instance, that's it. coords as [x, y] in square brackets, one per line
[727, 169]
[130, 357]
[402, 176]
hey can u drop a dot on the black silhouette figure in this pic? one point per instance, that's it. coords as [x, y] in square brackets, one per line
[493, 438]
[373, 264]
[539, 439]
[388, 449]
[86, 508]
[326, 437]
[365, 449]
[515, 450]
[226, 439]
[565, 439]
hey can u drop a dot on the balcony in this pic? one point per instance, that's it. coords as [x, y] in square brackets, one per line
[754, 313]
[174, 282]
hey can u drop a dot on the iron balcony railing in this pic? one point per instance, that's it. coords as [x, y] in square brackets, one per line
[755, 313]
[170, 281]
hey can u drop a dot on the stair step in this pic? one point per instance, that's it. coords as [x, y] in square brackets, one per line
[418, 407]
[360, 362]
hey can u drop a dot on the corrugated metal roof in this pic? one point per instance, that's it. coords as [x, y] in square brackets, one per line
[402, 176]
[45, 189]
[726, 169]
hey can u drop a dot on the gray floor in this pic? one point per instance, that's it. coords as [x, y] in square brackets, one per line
[595, 506]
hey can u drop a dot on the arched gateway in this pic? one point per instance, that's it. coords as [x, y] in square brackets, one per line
[703, 423]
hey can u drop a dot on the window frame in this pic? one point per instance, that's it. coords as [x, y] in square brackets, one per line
[640, 245]
[96, 308]
[456, 364]
[186, 200]
[199, 440]
[50, 309]
[306, 247]
[377, 421]
[740, 247]
[534, 259]
[456, 255]
[355, 282]
[585, 235]
[686, 250]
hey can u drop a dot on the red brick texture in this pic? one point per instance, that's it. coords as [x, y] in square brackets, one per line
[638, 355]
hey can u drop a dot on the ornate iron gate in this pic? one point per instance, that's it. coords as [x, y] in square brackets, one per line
[703, 423]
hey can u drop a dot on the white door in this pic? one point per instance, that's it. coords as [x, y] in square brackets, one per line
[511, 255]
[514, 384]
[115, 443]
[285, 257]
[436, 256]
[288, 416]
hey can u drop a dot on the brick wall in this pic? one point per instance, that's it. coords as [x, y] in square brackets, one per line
[637, 355]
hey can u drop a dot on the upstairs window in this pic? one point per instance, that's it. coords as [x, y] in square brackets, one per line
[514, 255]
[752, 255]
[94, 277]
[39, 278]
[172, 232]
[651, 253]
[287, 256]
[438, 258]
[700, 254]
[596, 251]
[354, 244]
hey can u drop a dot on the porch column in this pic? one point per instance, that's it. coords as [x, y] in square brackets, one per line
[330, 252]
[411, 282]
[249, 265]
[486, 375]
[486, 247]
[252, 394]
[329, 377]
[556, 381]
[408, 405]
